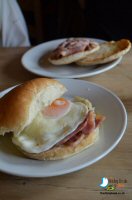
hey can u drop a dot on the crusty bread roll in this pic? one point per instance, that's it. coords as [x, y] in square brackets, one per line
[19, 107]
[108, 51]
[94, 46]
[65, 151]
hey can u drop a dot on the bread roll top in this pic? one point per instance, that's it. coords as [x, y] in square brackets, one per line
[20, 106]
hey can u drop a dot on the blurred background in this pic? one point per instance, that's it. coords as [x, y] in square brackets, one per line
[52, 19]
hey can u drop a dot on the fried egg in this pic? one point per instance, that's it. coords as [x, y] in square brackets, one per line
[51, 125]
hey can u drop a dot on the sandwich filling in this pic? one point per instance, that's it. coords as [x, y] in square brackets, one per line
[64, 122]
[71, 46]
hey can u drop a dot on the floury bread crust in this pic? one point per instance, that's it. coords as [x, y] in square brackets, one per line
[65, 151]
[76, 56]
[19, 107]
[108, 51]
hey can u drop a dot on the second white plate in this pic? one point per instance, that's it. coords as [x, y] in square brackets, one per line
[35, 60]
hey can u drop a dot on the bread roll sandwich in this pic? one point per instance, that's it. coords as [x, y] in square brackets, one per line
[44, 125]
[108, 51]
[71, 50]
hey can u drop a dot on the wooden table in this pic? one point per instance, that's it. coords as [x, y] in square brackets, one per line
[83, 184]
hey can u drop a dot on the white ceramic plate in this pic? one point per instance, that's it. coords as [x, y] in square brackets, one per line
[36, 61]
[112, 130]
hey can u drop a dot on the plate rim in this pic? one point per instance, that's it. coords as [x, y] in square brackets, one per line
[86, 164]
[112, 64]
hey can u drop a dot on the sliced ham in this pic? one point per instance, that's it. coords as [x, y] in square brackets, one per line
[99, 119]
[70, 46]
[86, 127]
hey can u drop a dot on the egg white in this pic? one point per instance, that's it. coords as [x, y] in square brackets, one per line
[44, 132]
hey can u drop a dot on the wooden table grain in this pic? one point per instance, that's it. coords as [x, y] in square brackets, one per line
[83, 184]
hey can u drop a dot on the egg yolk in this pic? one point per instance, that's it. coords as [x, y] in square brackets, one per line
[58, 108]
